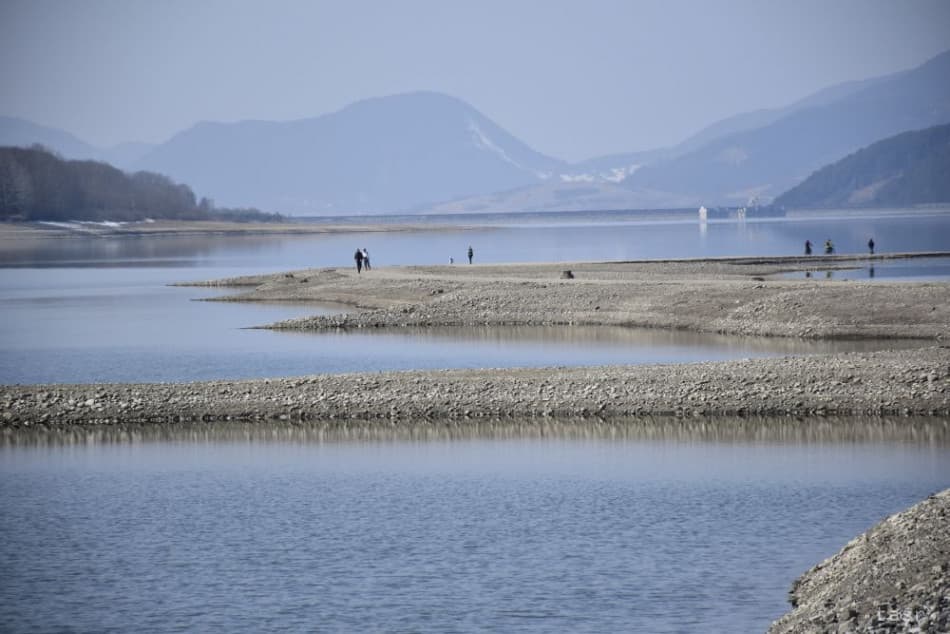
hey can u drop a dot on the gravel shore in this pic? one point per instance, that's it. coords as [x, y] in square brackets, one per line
[902, 382]
[893, 578]
[728, 295]
[738, 296]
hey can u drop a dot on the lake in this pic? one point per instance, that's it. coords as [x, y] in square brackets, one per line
[100, 309]
[587, 527]
[649, 526]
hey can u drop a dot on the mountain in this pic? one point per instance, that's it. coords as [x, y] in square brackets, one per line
[16, 132]
[912, 168]
[22, 133]
[556, 195]
[377, 155]
[774, 157]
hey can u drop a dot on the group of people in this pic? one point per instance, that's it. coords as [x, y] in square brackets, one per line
[362, 260]
[830, 246]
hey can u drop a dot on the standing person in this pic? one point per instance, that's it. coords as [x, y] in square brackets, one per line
[807, 247]
[366, 259]
[829, 246]
[470, 254]
[358, 256]
[871, 246]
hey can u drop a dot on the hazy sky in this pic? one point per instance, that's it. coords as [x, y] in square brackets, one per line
[573, 79]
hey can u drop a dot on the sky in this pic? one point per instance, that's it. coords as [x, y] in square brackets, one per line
[573, 79]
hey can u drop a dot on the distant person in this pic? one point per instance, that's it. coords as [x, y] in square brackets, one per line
[470, 254]
[871, 246]
[829, 247]
[358, 256]
[807, 247]
[451, 260]
[366, 260]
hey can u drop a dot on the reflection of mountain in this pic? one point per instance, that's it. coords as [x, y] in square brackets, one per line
[119, 252]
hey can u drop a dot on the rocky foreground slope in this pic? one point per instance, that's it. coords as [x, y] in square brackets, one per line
[893, 578]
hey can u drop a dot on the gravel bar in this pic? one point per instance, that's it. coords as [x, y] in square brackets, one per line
[896, 382]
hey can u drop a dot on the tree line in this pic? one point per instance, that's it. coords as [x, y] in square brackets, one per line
[911, 168]
[36, 184]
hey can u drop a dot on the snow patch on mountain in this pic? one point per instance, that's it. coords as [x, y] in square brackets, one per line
[483, 142]
[614, 175]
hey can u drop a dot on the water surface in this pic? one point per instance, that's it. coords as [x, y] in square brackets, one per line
[588, 528]
[93, 309]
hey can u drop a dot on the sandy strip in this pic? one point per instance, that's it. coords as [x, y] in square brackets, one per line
[740, 296]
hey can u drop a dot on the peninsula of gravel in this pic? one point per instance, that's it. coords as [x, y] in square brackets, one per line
[735, 296]
[744, 296]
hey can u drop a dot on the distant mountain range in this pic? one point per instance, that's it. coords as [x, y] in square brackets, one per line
[377, 155]
[767, 160]
[22, 133]
[912, 168]
[426, 151]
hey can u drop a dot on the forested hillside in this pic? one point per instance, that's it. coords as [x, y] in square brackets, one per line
[912, 168]
[36, 184]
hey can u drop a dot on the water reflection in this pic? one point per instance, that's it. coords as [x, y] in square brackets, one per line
[628, 343]
[790, 431]
[908, 269]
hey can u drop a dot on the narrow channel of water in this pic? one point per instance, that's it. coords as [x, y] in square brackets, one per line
[683, 526]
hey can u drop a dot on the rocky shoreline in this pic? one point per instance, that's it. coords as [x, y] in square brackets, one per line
[897, 382]
[727, 295]
[893, 578]
[735, 296]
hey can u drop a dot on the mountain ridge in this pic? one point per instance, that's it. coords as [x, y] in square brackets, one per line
[376, 155]
[423, 150]
[910, 168]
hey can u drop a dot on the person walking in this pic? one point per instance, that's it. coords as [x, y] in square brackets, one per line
[358, 256]
[871, 246]
[829, 247]
[470, 254]
[366, 259]
[807, 247]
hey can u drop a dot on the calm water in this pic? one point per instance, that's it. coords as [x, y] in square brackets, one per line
[913, 270]
[550, 237]
[647, 527]
[590, 528]
[99, 309]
